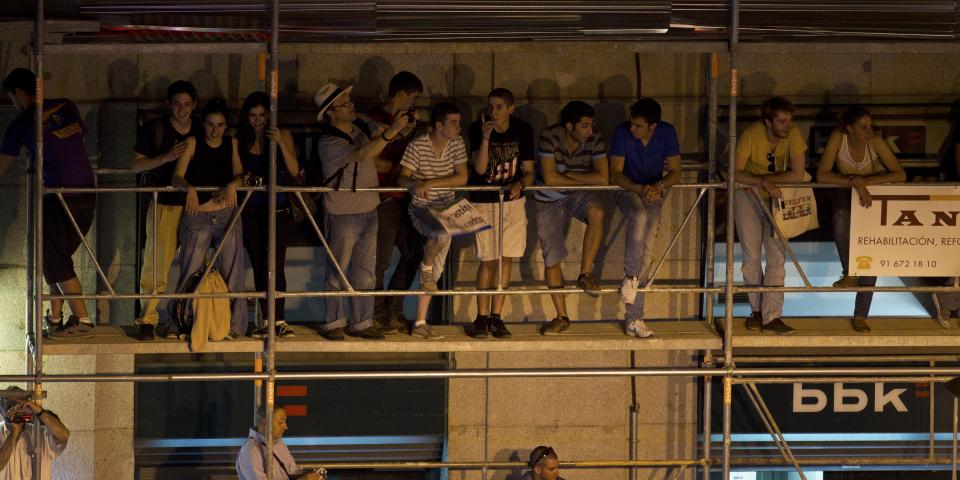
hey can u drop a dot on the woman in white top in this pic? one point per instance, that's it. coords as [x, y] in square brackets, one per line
[855, 158]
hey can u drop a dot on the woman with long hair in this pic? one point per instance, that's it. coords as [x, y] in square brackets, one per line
[254, 134]
[212, 161]
[855, 157]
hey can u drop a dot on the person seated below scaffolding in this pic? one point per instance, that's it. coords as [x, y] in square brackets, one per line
[855, 157]
[65, 164]
[212, 161]
[250, 460]
[19, 415]
[544, 464]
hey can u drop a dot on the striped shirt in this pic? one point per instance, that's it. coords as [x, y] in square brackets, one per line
[553, 143]
[420, 158]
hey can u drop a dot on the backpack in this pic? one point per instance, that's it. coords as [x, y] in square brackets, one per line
[202, 318]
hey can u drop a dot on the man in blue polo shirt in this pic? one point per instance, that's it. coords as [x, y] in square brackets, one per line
[639, 151]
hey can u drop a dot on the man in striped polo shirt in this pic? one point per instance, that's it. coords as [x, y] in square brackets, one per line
[431, 161]
[570, 154]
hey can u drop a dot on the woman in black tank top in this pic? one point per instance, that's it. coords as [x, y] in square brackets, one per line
[212, 161]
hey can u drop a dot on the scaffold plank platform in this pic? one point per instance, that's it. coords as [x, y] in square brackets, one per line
[582, 336]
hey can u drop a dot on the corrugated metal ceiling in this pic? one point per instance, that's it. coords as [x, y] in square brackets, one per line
[460, 20]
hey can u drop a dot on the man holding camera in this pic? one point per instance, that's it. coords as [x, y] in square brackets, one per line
[250, 460]
[16, 444]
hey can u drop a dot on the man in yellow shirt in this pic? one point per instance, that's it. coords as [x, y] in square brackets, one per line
[769, 152]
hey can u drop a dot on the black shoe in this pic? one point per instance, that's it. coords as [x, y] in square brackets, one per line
[755, 322]
[147, 333]
[54, 329]
[860, 325]
[369, 333]
[283, 331]
[777, 326]
[497, 328]
[335, 334]
[481, 326]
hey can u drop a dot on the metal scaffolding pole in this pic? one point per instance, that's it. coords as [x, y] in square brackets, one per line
[731, 188]
[270, 350]
[37, 243]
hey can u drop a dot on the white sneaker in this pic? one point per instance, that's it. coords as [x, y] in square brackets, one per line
[638, 329]
[628, 291]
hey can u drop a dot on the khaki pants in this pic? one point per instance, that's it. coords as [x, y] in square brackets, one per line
[168, 224]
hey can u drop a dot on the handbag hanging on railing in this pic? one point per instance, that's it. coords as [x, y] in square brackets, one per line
[795, 212]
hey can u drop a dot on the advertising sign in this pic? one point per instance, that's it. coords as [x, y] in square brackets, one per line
[909, 231]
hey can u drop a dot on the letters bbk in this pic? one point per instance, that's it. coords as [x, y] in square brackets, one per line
[813, 400]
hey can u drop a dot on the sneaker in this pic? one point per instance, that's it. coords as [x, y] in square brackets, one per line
[588, 283]
[369, 333]
[425, 332]
[427, 282]
[481, 326]
[556, 326]
[147, 333]
[846, 281]
[754, 322]
[77, 329]
[497, 328]
[860, 325]
[628, 291]
[282, 331]
[54, 330]
[393, 325]
[335, 334]
[777, 326]
[173, 334]
[638, 329]
[943, 316]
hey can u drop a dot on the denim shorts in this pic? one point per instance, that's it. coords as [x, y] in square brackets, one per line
[552, 222]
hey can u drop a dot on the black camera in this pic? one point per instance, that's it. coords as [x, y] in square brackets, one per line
[410, 113]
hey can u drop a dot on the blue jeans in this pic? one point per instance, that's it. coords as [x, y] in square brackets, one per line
[643, 223]
[841, 236]
[353, 240]
[206, 230]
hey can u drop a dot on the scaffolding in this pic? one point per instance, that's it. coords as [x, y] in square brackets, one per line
[265, 374]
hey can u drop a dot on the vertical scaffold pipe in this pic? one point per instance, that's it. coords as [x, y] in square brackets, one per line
[731, 185]
[272, 237]
[36, 276]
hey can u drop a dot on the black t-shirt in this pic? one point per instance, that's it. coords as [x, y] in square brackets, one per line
[147, 146]
[948, 165]
[507, 152]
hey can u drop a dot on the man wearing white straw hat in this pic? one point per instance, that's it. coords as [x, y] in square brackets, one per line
[347, 152]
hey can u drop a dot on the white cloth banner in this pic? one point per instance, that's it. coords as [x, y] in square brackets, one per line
[461, 218]
[911, 231]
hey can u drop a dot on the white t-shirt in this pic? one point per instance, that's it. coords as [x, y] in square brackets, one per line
[421, 159]
[20, 467]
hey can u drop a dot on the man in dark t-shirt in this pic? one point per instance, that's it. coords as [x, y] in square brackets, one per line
[394, 227]
[65, 164]
[502, 153]
[159, 144]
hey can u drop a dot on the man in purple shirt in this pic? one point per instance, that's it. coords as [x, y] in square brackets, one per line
[65, 164]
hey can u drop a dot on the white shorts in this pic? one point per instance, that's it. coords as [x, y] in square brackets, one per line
[514, 229]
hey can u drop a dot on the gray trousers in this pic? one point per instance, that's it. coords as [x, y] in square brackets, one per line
[756, 233]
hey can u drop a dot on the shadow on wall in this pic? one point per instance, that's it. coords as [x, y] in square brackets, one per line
[534, 113]
[510, 455]
[459, 81]
[370, 87]
[614, 95]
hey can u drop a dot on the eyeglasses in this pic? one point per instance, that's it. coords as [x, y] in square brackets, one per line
[771, 167]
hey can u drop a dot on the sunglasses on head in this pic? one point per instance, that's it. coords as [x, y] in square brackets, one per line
[771, 166]
[544, 454]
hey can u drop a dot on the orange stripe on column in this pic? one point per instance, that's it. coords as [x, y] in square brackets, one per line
[292, 391]
[296, 410]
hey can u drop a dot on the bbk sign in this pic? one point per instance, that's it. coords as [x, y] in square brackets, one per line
[847, 399]
[880, 407]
